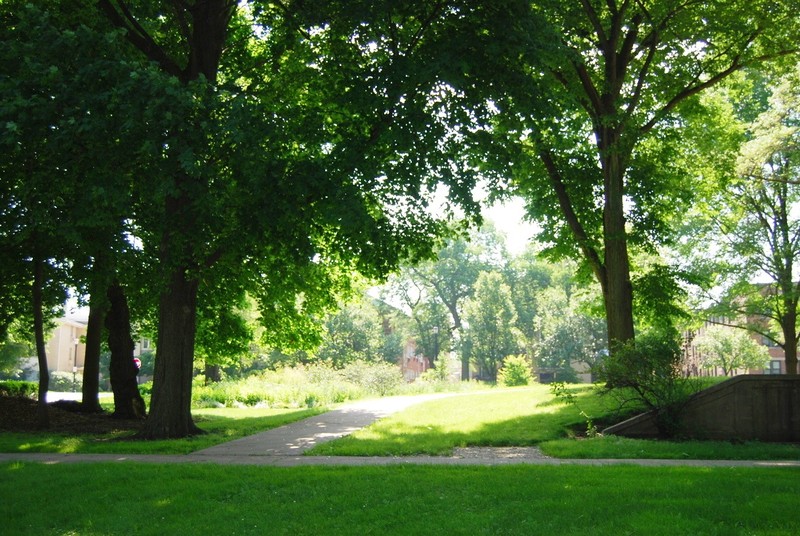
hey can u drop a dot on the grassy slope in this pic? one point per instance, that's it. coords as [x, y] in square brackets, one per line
[527, 416]
[501, 417]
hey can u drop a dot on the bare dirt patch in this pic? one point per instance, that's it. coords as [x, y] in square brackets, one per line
[20, 415]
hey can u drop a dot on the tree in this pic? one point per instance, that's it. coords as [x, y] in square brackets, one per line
[38, 124]
[768, 233]
[224, 332]
[566, 330]
[592, 93]
[299, 145]
[429, 318]
[450, 278]
[354, 333]
[528, 276]
[128, 402]
[730, 349]
[752, 237]
[491, 318]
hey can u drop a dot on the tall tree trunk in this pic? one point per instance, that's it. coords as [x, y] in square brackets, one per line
[170, 407]
[204, 24]
[789, 327]
[618, 290]
[42, 415]
[128, 402]
[94, 334]
[213, 373]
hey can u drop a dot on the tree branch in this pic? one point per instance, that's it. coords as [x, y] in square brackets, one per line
[572, 218]
[591, 13]
[736, 65]
[138, 36]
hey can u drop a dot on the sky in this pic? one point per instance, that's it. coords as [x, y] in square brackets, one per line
[508, 219]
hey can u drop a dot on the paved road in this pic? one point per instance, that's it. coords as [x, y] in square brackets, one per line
[284, 446]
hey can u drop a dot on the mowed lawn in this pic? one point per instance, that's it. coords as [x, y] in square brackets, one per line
[499, 417]
[219, 425]
[128, 499]
[530, 416]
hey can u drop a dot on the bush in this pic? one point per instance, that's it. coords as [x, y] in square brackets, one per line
[515, 371]
[649, 371]
[290, 387]
[65, 381]
[376, 378]
[19, 389]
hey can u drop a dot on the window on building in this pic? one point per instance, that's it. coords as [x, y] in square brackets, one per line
[774, 367]
[766, 341]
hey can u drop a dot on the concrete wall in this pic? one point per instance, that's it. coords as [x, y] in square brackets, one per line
[748, 407]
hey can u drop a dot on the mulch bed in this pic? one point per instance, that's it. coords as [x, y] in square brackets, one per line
[20, 415]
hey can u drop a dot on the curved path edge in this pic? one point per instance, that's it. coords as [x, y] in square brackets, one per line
[295, 461]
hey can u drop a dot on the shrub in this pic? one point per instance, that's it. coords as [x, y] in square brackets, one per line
[515, 371]
[19, 389]
[65, 381]
[146, 389]
[290, 387]
[649, 371]
[437, 379]
[376, 378]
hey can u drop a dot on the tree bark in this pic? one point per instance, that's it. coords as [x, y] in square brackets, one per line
[213, 373]
[128, 402]
[789, 327]
[42, 414]
[618, 290]
[170, 408]
[98, 306]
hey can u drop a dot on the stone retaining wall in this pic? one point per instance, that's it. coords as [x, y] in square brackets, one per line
[748, 407]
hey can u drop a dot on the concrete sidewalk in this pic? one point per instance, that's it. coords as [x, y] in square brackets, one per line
[296, 438]
[284, 446]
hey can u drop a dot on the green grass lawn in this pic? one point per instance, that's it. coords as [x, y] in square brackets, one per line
[527, 416]
[500, 417]
[129, 498]
[220, 425]
[122, 499]
[493, 417]
[626, 448]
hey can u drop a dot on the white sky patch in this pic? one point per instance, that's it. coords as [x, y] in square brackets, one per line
[509, 218]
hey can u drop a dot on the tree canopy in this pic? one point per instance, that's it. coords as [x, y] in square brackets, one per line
[751, 238]
[275, 149]
[592, 111]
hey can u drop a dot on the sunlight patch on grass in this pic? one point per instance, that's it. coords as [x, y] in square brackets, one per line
[498, 417]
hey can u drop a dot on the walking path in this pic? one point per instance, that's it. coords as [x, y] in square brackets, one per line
[284, 446]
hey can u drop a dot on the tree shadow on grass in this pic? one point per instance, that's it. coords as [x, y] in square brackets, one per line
[218, 428]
